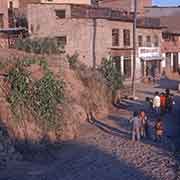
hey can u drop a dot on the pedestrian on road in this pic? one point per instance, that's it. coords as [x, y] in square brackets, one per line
[169, 101]
[156, 103]
[149, 102]
[159, 130]
[144, 124]
[136, 126]
[163, 102]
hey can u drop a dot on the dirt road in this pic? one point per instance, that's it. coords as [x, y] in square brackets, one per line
[105, 151]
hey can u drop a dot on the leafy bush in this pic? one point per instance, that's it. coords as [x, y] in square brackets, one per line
[73, 60]
[45, 95]
[39, 45]
[111, 74]
[40, 98]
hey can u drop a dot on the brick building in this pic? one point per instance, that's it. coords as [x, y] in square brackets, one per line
[76, 26]
[169, 17]
[149, 41]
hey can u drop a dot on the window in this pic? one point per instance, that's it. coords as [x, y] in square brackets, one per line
[1, 21]
[126, 37]
[156, 41]
[140, 41]
[61, 40]
[32, 28]
[10, 5]
[115, 37]
[148, 41]
[60, 13]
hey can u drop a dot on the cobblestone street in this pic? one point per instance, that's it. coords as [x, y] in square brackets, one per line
[105, 151]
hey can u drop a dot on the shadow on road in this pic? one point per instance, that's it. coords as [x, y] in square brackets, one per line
[69, 161]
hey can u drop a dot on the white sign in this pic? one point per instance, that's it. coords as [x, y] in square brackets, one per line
[145, 52]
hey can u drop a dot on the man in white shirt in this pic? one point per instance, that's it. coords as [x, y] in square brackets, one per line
[156, 102]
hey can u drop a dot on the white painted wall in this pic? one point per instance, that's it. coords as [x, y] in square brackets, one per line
[163, 62]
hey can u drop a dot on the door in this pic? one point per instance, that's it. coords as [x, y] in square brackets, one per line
[127, 67]
[117, 61]
[168, 61]
[1, 21]
[175, 62]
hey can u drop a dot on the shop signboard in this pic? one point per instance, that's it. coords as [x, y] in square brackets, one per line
[149, 52]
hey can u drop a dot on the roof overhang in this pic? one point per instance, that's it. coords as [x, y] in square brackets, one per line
[153, 58]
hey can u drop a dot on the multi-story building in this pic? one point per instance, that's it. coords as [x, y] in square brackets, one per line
[169, 17]
[149, 41]
[94, 33]
[3, 14]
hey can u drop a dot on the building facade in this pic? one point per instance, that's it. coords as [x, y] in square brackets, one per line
[150, 58]
[127, 5]
[3, 14]
[68, 1]
[171, 51]
[76, 26]
[169, 18]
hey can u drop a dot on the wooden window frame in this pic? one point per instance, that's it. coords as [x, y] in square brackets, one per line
[115, 37]
[127, 37]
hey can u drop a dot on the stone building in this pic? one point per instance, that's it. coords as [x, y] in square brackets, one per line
[75, 26]
[94, 33]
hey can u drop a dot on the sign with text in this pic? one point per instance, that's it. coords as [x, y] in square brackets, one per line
[145, 52]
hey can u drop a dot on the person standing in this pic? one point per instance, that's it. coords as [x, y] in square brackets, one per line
[163, 102]
[159, 130]
[136, 125]
[156, 102]
[144, 124]
[169, 101]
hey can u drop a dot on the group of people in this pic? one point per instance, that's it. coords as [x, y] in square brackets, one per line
[160, 104]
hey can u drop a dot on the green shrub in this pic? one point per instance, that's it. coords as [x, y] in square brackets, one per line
[40, 97]
[111, 74]
[73, 60]
[39, 45]
[45, 95]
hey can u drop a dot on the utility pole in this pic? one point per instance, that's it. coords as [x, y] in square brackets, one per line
[94, 33]
[134, 50]
[94, 43]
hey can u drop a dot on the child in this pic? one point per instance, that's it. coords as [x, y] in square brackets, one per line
[144, 124]
[136, 126]
[159, 129]
[163, 102]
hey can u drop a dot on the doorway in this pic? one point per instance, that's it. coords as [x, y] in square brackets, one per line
[175, 62]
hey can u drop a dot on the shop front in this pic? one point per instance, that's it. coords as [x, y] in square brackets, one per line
[123, 61]
[150, 58]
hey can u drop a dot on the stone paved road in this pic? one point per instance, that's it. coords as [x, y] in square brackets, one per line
[105, 152]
